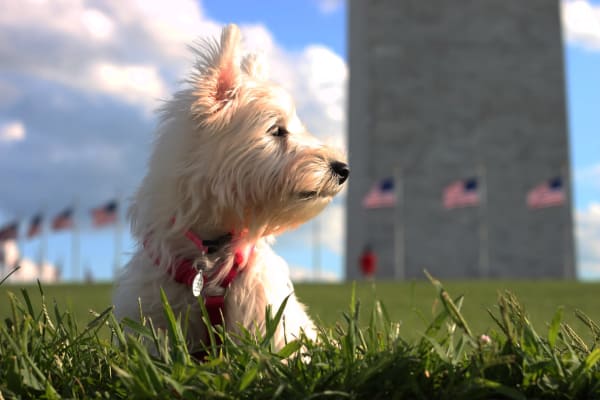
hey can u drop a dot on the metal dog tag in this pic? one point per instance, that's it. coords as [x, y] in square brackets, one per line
[197, 284]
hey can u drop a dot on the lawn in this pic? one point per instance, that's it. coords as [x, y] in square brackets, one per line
[411, 303]
[414, 303]
[439, 350]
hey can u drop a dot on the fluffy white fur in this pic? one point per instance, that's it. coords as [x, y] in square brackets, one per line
[219, 166]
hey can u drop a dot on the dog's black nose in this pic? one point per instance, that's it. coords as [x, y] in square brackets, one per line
[341, 170]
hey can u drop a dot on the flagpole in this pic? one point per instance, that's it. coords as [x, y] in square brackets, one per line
[484, 260]
[316, 236]
[43, 238]
[18, 241]
[118, 237]
[399, 245]
[40, 254]
[568, 271]
[75, 242]
[566, 264]
[43, 243]
[40, 233]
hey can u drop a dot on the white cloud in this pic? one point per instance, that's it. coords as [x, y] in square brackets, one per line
[329, 6]
[326, 74]
[136, 51]
[333, 225]
[98, 25]
[588, 240]
[581, 23]
[12, 132]
[116, 49]
[137, 84]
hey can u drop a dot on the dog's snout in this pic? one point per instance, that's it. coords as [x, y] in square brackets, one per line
[341, 170]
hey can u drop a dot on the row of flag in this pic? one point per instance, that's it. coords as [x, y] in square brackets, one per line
[101, 216]
[466, 193]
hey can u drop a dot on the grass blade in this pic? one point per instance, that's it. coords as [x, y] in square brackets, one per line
[555, 327]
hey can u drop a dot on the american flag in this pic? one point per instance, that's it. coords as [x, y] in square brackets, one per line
[64, 220]
[35, 226]
[547, 194]
[105, 215]
[9, 231]
[461, 193]
[381, 195]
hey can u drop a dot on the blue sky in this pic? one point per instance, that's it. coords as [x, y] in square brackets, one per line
[583, 83]
[294, 23]
[79, 80]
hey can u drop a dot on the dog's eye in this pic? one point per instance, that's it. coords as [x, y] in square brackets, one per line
[278, 131]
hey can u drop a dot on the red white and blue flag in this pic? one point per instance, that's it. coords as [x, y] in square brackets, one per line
[35, 226]
[550, 193]
[461, 193]
[9, 231]
[105, 215]
[64, 220]
[381, 195]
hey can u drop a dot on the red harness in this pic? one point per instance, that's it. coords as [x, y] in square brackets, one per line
[186, 273]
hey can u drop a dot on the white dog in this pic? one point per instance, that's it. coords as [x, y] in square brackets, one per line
[232, 165]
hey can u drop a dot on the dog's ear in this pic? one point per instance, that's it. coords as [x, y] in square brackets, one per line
[227, 65]
[254, 66]
[219, 76]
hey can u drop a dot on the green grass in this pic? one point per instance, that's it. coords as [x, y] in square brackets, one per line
[423, 340]
[414, 303]
[411, 303]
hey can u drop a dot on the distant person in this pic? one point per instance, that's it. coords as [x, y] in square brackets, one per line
[368, 263]
[89, 276]
[59, 270]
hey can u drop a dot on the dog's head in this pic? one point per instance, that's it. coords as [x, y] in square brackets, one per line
[243, 159]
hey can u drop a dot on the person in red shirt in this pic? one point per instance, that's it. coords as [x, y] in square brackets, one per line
[368, 262]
